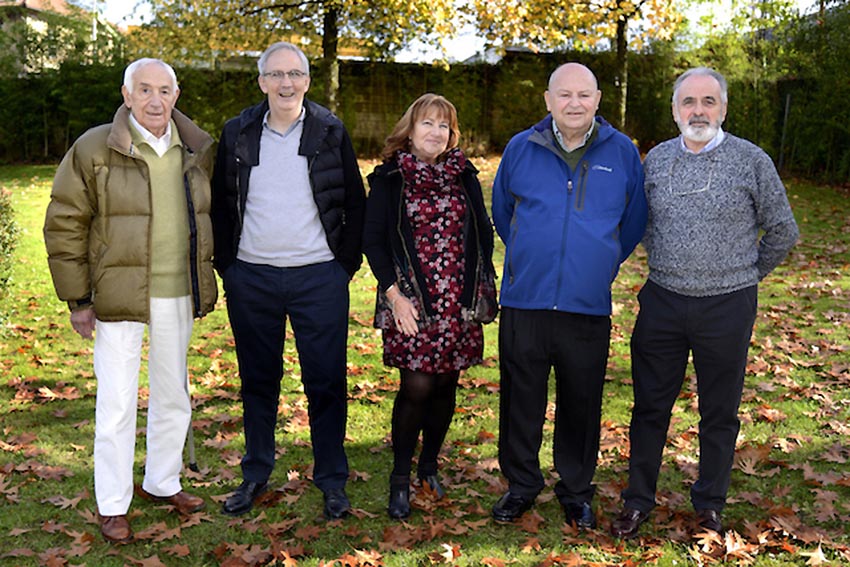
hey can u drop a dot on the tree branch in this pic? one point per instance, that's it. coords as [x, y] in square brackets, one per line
[283, 6]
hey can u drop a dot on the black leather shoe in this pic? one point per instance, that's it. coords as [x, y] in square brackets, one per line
[627, 523]
[511, 506]
[433, 484]
[710, 520]
[580, 513]
[336, 504]
[399, 506]
[242, 500]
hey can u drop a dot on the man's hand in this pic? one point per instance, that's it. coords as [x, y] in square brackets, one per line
[83, 322]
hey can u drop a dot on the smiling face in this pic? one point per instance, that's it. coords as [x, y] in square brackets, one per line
[153, 98]
[699, 110]
[572, 98]
[286, 95]
[430, 135]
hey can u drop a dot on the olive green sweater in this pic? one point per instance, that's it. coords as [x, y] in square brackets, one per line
[170, 218]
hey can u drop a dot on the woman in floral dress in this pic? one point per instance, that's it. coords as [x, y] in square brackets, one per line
[429, 243]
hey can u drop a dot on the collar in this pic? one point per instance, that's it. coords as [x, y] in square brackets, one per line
[713, 143]
[560, 138]
[159, 145]
[289, 130]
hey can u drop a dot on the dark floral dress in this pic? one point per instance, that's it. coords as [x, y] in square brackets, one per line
[435, 205]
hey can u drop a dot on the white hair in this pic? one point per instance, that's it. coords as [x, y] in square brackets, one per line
[261, 62]
[139, 63]
[703, 71]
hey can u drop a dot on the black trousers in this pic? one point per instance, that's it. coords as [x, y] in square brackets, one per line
[716, 330]
[315, 298]
[531, 343]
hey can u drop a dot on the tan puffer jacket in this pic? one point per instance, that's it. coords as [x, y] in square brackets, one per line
[97, 228]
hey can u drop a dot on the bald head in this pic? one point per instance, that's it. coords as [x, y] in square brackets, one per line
[576, 70]
[573, 99]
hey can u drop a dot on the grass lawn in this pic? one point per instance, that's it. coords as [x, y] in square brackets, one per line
[789, 501]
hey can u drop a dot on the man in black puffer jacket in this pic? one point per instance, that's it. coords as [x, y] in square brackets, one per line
[287, 212]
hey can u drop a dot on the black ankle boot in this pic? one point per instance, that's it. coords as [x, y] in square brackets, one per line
[399, 506]
[432, 482]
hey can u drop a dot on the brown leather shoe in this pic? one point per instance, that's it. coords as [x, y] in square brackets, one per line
[183, 502]
[627, 523]
[710, 520]
[116, 529]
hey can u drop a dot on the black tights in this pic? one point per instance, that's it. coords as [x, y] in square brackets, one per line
[426, 403]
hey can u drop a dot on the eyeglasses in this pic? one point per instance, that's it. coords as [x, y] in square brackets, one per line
[294, 75]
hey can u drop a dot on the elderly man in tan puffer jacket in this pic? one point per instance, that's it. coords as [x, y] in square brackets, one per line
[129, 243]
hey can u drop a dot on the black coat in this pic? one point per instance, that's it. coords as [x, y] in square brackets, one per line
[388, 236]
[334, 177]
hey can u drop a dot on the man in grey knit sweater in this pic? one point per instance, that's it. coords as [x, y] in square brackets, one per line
[709, 195]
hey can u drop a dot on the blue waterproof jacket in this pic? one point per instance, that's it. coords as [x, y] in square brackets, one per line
[567, 232]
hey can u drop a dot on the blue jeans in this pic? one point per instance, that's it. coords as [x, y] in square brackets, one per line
[315, 298]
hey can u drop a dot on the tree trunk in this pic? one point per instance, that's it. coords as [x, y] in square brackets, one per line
[46, 124]
[330, 41]
[621, 77]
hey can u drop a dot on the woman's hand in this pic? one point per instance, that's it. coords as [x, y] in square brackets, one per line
[405, 315]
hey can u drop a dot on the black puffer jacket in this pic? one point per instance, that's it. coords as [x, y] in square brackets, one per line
[334, 177]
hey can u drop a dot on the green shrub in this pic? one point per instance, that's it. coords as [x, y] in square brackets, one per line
[8, 238]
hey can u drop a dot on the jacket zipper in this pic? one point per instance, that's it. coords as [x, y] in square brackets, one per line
[237, 234]
[414, 283]
[563, 240]
[193, 248]
[475, 235]
[582, 181]
[238, 193]
[147, 175]
[517, 201]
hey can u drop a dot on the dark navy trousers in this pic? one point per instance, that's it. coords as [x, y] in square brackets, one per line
[669, 327]
[315, 299]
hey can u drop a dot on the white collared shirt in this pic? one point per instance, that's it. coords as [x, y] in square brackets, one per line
[713, 143]
[560, 137]
[159, 145]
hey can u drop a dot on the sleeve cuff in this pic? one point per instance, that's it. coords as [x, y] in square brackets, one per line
[76, 305]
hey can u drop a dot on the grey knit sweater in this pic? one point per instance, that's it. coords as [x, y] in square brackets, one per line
[705, 214]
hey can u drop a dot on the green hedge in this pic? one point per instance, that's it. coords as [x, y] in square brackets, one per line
[46, 112]
[43, 114]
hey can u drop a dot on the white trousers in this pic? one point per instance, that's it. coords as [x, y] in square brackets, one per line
[117, 358]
